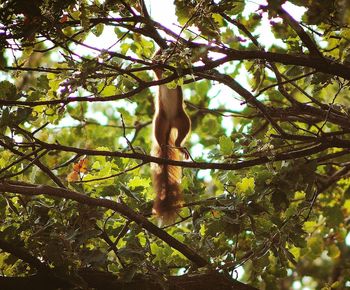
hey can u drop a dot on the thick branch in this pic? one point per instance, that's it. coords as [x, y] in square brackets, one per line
[106, 281]
[324, 65]
[202, 165]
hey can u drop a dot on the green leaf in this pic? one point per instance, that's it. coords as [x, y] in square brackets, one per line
[98, 29]
[295, 251]
[139, 182]
[238, 7]
[109, 91]
[125, 47]
[226, 145]
[310, 226]
[5, 117]
[210, 124]
[43, 83]
[8, 91]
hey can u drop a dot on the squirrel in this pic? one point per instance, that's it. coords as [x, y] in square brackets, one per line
[171, 126]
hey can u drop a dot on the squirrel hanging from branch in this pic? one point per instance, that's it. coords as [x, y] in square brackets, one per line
[171, 126]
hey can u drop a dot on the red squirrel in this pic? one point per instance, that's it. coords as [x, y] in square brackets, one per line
[171, 125]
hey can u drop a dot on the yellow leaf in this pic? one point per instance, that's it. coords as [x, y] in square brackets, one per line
[346, 205]
[310, 226]
[295, 252]
[202, 230]
[299, 195]
[246, 185]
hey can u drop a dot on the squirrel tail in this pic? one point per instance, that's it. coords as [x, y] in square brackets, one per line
[166, 181]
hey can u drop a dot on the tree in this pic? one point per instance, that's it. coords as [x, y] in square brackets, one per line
[269, 198]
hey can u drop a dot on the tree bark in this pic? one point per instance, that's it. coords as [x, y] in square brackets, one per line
[106, 281]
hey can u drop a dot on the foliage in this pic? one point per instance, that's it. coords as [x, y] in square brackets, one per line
[268, 199]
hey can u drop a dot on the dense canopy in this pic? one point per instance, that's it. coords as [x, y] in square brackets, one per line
[266, 188]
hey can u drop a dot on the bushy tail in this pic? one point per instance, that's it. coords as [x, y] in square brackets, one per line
[166, 182]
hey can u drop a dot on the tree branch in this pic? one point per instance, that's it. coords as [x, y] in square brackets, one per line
[202, 165]
[107, 281]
